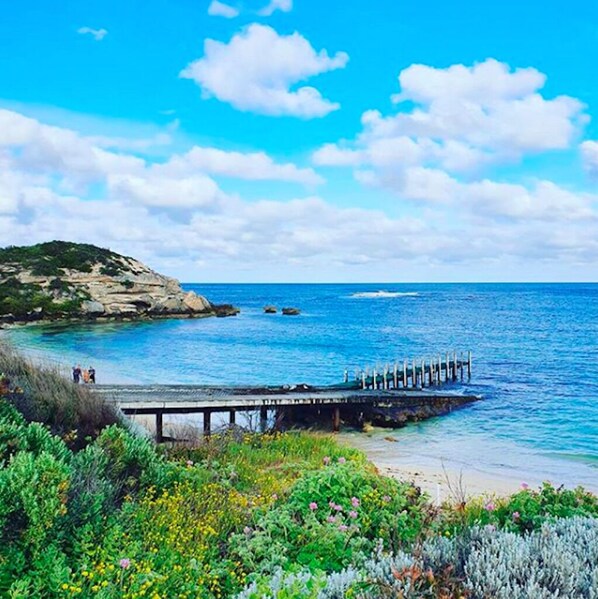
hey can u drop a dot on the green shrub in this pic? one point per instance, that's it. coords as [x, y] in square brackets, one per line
[330, 517]
[33, 496]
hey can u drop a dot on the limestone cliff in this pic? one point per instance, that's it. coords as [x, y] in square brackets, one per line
[62, 280]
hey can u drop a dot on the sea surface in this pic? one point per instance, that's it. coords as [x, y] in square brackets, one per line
[535, 360]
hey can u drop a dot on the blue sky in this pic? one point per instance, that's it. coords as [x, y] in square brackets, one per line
[275, 151]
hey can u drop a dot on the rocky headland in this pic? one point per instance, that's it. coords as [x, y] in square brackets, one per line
[71, 281]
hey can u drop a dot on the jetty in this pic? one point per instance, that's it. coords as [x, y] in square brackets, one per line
[388, 395]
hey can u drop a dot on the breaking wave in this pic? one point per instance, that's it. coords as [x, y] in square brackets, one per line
[384, 294]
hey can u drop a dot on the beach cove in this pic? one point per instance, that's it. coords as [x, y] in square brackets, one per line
[532, 346]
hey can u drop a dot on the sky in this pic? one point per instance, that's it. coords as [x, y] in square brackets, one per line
[304, 141]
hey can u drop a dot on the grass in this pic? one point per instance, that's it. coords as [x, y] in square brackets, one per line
[44, 395]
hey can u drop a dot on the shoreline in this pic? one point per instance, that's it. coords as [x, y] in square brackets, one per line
[444, 478]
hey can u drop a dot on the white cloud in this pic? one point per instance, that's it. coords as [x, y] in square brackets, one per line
[174, 215]
[198, 191]
[219, 9]
[274, 5]
[251, 166]
[463, 118]
[97, 34]
[589, 152]
[256, 70]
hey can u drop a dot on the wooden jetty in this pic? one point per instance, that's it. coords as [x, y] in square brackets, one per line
[389, 396]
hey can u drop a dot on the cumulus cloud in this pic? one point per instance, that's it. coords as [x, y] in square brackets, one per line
[274, 5]
[256, 70]
[254, 166]
[97, 34]
[589, 152]
[461, 119]
[174, 214]
[219, 9]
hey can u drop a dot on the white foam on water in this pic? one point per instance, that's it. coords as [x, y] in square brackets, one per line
[383, 294]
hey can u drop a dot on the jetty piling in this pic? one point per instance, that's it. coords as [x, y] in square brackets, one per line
[384, 389]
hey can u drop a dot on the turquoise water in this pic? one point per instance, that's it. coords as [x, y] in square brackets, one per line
[534, 347]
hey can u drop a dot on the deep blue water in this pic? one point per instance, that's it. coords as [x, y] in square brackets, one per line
[535, 349]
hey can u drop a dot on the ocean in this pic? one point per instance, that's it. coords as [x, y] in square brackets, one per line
[535, 360]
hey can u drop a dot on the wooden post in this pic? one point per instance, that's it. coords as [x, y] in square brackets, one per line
[207, 417]
[439, 371]
[414, 375]
[363, 379]
[447, 364]
[454, 366]
[346, 376]
[423, 373]
[395, 376]
[336, 419]
[461, 365]
[232, 417]
[404, 373]
[469, 365]
[375, 380]
[385, 379]
[263, 419]
[159, 427]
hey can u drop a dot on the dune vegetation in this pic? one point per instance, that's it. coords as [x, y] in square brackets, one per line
[90, 509]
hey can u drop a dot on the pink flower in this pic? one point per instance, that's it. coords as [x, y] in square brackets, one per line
[524, 486]
[331, 519]
[331, 504]
[341, 460]
[274, 496]
[386, 499]
[247, 530]
[189, 462]
[326, 460]
[338, 508]
[125, 563]
[353, 514]
[313, 506]
[490, 507]
[354, 502]
[343, 528]
[516, 516]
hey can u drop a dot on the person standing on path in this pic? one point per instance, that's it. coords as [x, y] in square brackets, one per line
[76, 374]
[92, 375]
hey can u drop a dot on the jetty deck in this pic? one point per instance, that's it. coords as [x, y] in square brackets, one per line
[398, 391]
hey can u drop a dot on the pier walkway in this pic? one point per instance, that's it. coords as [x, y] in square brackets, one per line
[387, 388]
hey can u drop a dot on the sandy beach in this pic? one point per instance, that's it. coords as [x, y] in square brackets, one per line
[440, 478]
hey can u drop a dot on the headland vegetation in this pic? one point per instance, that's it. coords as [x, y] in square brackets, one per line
[67, 281]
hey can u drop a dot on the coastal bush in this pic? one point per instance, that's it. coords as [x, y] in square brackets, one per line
[53, 257]
[559, 560]
[524, 511]
[43, 394]
[330, 517]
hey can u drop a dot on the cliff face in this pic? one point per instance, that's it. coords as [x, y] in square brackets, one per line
[59, 280]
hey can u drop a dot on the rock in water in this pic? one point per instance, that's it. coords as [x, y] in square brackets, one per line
[270, 309]
[291, 311]
[62, 280]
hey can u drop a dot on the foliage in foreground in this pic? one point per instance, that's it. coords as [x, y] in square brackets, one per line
[285, 516]
[558, 560]
[43, 395]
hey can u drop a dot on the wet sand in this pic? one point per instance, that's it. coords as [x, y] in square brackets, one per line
[440, 478]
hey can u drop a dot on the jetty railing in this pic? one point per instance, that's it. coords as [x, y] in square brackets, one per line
[413, 373]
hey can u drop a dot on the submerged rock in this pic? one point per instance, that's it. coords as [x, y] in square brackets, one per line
[270, 309]
[291, 311]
